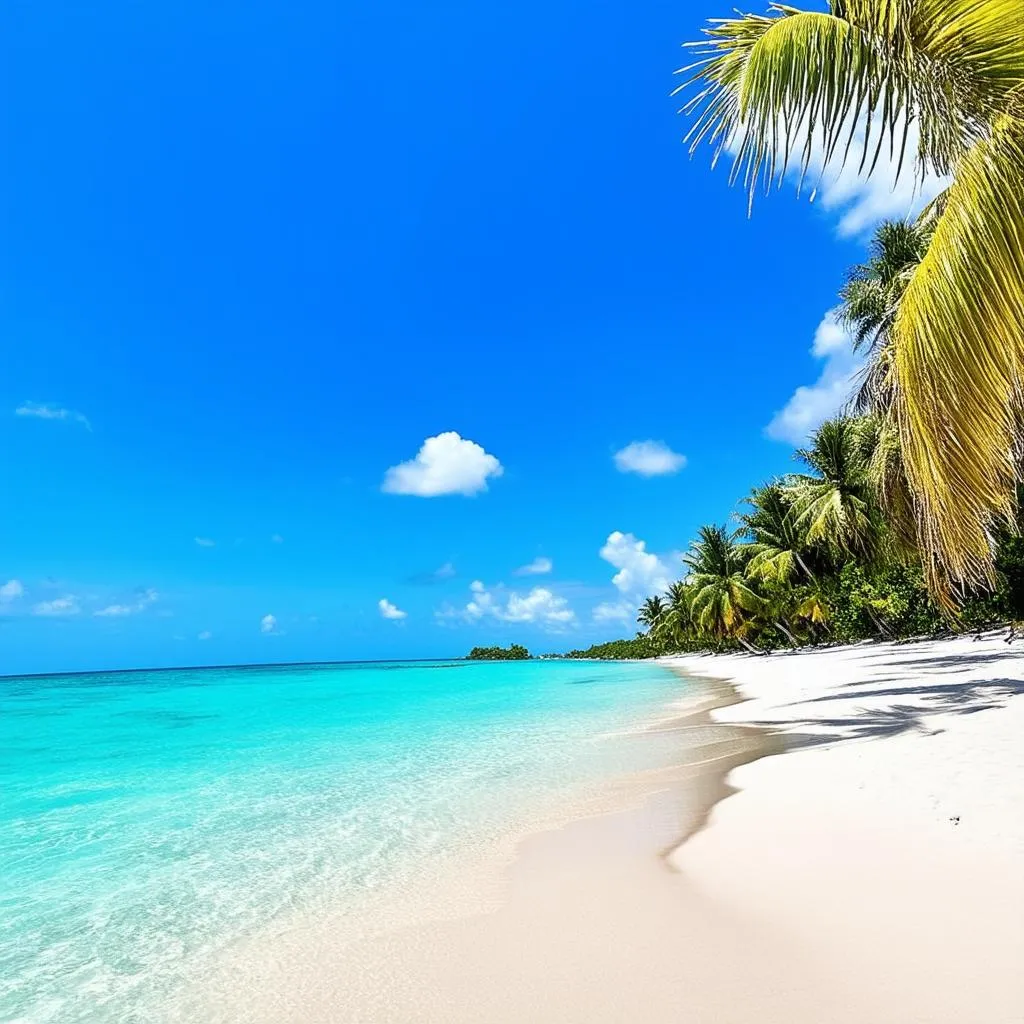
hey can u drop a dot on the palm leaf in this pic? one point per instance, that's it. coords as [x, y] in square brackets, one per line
[822, 87]
[958, 348]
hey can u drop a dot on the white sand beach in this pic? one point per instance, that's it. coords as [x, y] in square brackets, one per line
[889, 841]
[874, 872]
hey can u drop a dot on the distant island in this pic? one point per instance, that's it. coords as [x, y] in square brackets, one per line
[514, 653]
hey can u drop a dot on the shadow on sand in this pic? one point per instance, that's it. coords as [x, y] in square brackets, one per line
[965, 698]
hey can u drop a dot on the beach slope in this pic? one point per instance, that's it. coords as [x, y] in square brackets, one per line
[873, 871]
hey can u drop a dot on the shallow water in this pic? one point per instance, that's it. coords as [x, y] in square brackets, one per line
[150, 819]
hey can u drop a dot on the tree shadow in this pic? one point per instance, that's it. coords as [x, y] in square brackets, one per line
[940, 696]
[952, 662]
[966, 698]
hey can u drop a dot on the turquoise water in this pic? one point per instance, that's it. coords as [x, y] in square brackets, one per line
[148, 819]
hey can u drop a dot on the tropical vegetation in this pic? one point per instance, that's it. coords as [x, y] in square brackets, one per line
[936, 87]
[812, 558]
[516, 652]
[640, 646]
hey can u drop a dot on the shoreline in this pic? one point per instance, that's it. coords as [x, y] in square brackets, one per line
[825, 884]
[890, 835]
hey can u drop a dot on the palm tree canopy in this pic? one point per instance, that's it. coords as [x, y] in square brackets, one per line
[777, 543]
[801, 84]
[871, 296]
[651, 611]
[677, 617]
[722, 595]
[823, 89]
[833, 503]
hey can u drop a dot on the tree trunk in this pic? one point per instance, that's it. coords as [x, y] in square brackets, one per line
[792, 639]
[750, 647]
[803, 565]
[882, 631]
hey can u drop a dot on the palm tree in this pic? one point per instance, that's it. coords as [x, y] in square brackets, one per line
[651, 612]
[677, 619]
[832, 504]
[887, 482]
[816, 90]
[812, 608]
[778, 548]
[870, 300]
[779, 603]
[723, 598]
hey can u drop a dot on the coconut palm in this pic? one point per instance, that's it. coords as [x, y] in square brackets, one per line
[871, 296]
[778, 548]
[677, 619]
[870, 300]
[651, 612]
[818, 89]
[887, 482]
[723, 598]
[774, 615]
[832, 504]
[811, 607]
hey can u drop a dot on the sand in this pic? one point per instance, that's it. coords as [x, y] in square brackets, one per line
[871, 872]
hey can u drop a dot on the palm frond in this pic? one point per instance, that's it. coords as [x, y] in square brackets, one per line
[822, 88]
[958, 349]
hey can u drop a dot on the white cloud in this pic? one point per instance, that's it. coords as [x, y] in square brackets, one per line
[613, 611]
[276, 538]
[539, 606]
[268, 625]
[810, 405]
[114, 610]
[205, 542]
[390, 611]
[67, 605]
[204, 635]
[143, 599]
[482, 602]
[641, 573]
[11, 591]
[648, 458]
[46, 411]
[538, 567]
[445, 464]
[861, 201]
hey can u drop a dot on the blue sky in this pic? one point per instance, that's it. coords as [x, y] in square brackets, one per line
[256, 255]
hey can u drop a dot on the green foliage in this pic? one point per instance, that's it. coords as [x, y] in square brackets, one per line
[514, 653]
[816, 559]
[939, 86]
[642, 646]
[1010, 566]
[651, 612]
[886, 603]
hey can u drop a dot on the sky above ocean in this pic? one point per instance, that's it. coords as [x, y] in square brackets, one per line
[364, 330]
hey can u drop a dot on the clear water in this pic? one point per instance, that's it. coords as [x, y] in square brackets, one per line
[150, 818]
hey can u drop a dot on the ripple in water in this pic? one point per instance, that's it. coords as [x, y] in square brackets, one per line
[149, 819]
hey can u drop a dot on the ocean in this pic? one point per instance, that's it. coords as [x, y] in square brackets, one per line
[148, 820]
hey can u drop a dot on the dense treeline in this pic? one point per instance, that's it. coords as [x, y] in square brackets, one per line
[816, 557]
[514, 653]
[832, 552]
[904, 516]
[641, 646]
